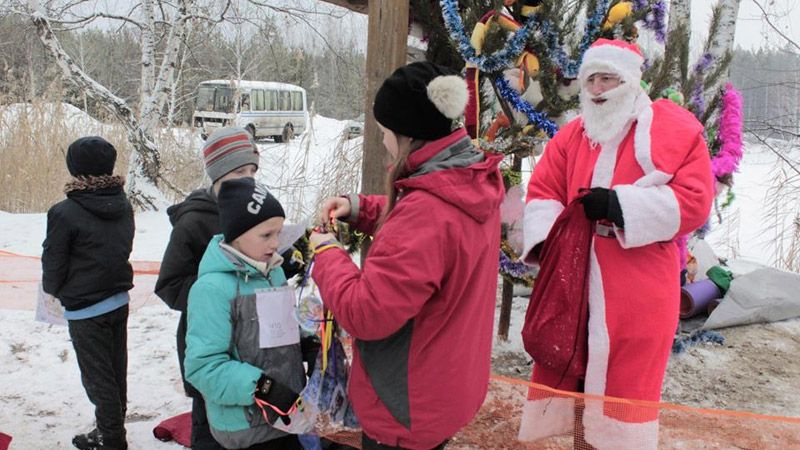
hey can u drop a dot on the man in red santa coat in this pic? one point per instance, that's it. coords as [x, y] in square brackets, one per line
[649, 172]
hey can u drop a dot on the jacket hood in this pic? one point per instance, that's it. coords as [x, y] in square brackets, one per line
[106, 203]
[200, 200]
[476, 189]
[217, 259]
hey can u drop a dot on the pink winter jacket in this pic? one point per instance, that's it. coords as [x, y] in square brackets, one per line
[422, 309]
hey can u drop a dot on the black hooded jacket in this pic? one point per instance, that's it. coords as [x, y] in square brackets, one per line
[194, 221]
[88, 244]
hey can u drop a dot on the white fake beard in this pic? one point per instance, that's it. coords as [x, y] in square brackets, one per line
[603, 121]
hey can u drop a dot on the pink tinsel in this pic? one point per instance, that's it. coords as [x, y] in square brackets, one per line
[730, 133]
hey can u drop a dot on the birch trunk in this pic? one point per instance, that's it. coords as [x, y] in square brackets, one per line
[720, 44]
[679, 28]
[148, 53]
[145, 161]
[152, 106]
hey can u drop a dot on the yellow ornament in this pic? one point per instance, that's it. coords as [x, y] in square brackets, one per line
[617, 14]
[478, 36]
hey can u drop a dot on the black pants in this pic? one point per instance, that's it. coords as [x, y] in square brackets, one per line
[289, 442]
[101, 348]
[201, 434]
[367, 443]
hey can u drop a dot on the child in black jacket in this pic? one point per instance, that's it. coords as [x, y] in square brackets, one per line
[85, 265]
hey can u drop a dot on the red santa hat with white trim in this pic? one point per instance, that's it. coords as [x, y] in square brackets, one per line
[612, 56]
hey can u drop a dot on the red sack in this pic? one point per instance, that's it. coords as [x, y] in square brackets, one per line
[556, 331]
[177, 428]
[5, 441]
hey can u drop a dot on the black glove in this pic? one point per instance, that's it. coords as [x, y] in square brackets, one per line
[276, 394]
[309, 346]
[600, 204]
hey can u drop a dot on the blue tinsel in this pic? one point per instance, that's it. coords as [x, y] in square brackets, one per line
[535, 118]
[682, 343]
[488, 64]
[569, 68]
[515, 269]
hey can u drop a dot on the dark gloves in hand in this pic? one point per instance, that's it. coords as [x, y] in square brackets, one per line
[276, 394]
[600, 204]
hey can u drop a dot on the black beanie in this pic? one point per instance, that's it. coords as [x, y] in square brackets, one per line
[243, 204]
[91, 156]
[421, 100]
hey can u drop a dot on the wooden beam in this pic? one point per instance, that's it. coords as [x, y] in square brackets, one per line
[360, 6]
[386, 51]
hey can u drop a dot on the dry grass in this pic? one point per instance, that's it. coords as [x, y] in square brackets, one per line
[33, 141]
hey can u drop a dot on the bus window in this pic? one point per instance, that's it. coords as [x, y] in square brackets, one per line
[272, 101]
[297, 101]
[286, 101]
[205, 98]
[258, 105]
[245, 102]
[223, 100]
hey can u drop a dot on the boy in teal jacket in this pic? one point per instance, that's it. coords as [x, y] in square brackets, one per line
[242, 341]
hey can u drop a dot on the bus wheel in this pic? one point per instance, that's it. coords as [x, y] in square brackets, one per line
[288, 132]
[278, 138]
[252, 130]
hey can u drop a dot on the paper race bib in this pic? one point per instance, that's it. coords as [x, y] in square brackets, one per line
[49, 309]
[277, 325]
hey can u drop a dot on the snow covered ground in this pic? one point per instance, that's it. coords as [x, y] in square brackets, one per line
[42, 402]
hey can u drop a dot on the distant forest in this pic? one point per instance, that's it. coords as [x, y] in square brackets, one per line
[334, 76]
[770, 84]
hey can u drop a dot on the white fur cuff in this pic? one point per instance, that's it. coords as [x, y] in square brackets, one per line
[651, 214]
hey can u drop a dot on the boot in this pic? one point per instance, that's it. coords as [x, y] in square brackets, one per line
[93, 440]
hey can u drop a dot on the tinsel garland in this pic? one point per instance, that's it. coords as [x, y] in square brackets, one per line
[514, 269]
[698, 100]
[730, 133]
[655, 19]
[568, 67]
[487, 64]
[535, 118]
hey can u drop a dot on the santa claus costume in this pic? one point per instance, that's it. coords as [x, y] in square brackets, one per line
[653, 156]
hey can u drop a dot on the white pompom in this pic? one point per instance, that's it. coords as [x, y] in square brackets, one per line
[449, 94]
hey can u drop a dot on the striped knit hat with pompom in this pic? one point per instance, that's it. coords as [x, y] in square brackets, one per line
[226, 150]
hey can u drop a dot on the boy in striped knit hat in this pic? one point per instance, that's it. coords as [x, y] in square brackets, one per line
[228, 153]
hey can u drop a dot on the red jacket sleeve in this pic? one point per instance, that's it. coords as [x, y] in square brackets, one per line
[547, 196]
[366, 210]
[404, 269]
[656, 211]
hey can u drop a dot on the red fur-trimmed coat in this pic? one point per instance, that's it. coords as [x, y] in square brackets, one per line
[660, 170]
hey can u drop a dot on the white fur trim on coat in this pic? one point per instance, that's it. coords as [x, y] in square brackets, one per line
[543, 418]
[449, 94]
[651, 213]
[540, 215]
[607, 433]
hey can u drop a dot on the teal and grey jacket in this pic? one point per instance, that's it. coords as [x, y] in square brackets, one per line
[223, 358]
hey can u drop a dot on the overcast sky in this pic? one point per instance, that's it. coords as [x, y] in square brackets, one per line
[752, 31]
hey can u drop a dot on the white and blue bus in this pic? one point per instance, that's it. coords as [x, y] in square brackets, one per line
[265, 109]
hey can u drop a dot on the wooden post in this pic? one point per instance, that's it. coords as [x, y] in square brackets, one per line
[508, 288]
[505, 310]
[386, 51]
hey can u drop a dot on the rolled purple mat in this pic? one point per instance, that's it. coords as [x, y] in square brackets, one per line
[695, 297]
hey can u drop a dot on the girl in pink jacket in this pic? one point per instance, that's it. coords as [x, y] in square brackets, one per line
[421, 309]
